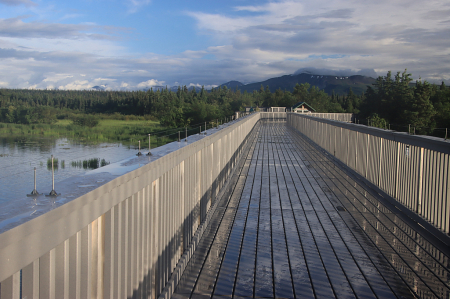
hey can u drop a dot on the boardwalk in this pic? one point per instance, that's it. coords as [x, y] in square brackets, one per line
[297, 226]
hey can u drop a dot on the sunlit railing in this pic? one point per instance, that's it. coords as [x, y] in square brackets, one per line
[125, 238]
[414, 170]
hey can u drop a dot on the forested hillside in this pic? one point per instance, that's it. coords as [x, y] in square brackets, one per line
[424, 107]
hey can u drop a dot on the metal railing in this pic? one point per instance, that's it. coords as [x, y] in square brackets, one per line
[414, 170]
[124, 238]
[345, 117]
[128, 237]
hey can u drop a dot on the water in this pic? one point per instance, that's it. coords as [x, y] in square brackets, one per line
[19, 157]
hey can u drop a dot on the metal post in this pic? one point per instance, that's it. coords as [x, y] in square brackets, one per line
[149, 146]
[200, 130]
[217, 123]
[179, 136]
[185, 134]
[53, 192]
[53, 176]
[414, 130]
[445, 133]
[205, 127]
[139, 153]
[34, 192]
[409, 129]
[389, 127]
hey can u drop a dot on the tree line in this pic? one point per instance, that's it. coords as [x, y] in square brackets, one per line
[394, 100]
[391, 99]
[172, 108]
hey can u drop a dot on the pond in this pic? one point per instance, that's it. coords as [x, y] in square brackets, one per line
[18, 157]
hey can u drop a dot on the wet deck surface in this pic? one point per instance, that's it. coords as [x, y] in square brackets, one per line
[298, 226]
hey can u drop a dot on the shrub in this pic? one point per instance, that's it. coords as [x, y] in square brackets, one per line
[86, 121]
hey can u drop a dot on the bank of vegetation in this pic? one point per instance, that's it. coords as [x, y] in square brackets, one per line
[126, 115]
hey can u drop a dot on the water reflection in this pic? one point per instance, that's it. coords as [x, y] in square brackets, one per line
[19, 156]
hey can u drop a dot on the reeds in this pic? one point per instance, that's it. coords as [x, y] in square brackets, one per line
[92, 163]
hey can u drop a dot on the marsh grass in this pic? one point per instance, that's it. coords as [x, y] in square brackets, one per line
[93, 163]
[56, 164]
[108, 130]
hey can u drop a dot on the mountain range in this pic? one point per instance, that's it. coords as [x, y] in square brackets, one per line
[337, 81]
[339, 84]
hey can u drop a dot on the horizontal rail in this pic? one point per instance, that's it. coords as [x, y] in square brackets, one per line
[124, 238]
[414, 170]
[345, 117]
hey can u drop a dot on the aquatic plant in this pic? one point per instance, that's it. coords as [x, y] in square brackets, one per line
[93, 163]
[55, 163]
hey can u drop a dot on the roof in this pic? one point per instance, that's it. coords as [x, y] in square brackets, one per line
[303, 103]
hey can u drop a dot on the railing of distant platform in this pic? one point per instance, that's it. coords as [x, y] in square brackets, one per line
[125, 238]
[414, 170]
[279, 113]
[345, 117]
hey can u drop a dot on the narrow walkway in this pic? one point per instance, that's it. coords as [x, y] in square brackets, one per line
[298, 226]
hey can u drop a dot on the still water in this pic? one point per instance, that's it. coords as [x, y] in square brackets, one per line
[19, 157]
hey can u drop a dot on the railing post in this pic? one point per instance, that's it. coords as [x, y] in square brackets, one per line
[397, 171]
[149, 146]
[419, 196]
[381, 160]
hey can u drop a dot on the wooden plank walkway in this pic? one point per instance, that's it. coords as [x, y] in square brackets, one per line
[298, 226]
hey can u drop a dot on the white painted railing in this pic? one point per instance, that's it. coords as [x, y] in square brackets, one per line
[414, 170]
[124, 238]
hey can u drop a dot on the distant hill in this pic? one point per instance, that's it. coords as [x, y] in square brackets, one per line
[232, 84]
[99, 88]
[340, 84]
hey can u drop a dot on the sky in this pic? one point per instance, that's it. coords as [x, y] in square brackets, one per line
[138, 44]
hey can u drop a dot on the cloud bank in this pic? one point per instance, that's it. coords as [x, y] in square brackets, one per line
[248, 43]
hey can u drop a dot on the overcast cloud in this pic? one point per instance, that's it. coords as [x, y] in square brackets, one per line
[129, 45]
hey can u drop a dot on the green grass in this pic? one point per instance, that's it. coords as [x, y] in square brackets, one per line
[108, 130]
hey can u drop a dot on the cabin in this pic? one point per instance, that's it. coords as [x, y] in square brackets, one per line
[302, 107]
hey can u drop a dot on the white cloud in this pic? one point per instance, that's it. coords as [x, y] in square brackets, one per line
[135, 5]
[256, 43]
[197, 85]
[150, 83]
[378, 35]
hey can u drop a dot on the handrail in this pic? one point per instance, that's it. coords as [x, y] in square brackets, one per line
[414, 170]
[127, 234]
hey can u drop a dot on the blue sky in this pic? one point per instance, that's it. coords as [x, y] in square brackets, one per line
[133, 44]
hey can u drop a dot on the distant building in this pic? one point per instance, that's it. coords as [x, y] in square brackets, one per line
[302, 107]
